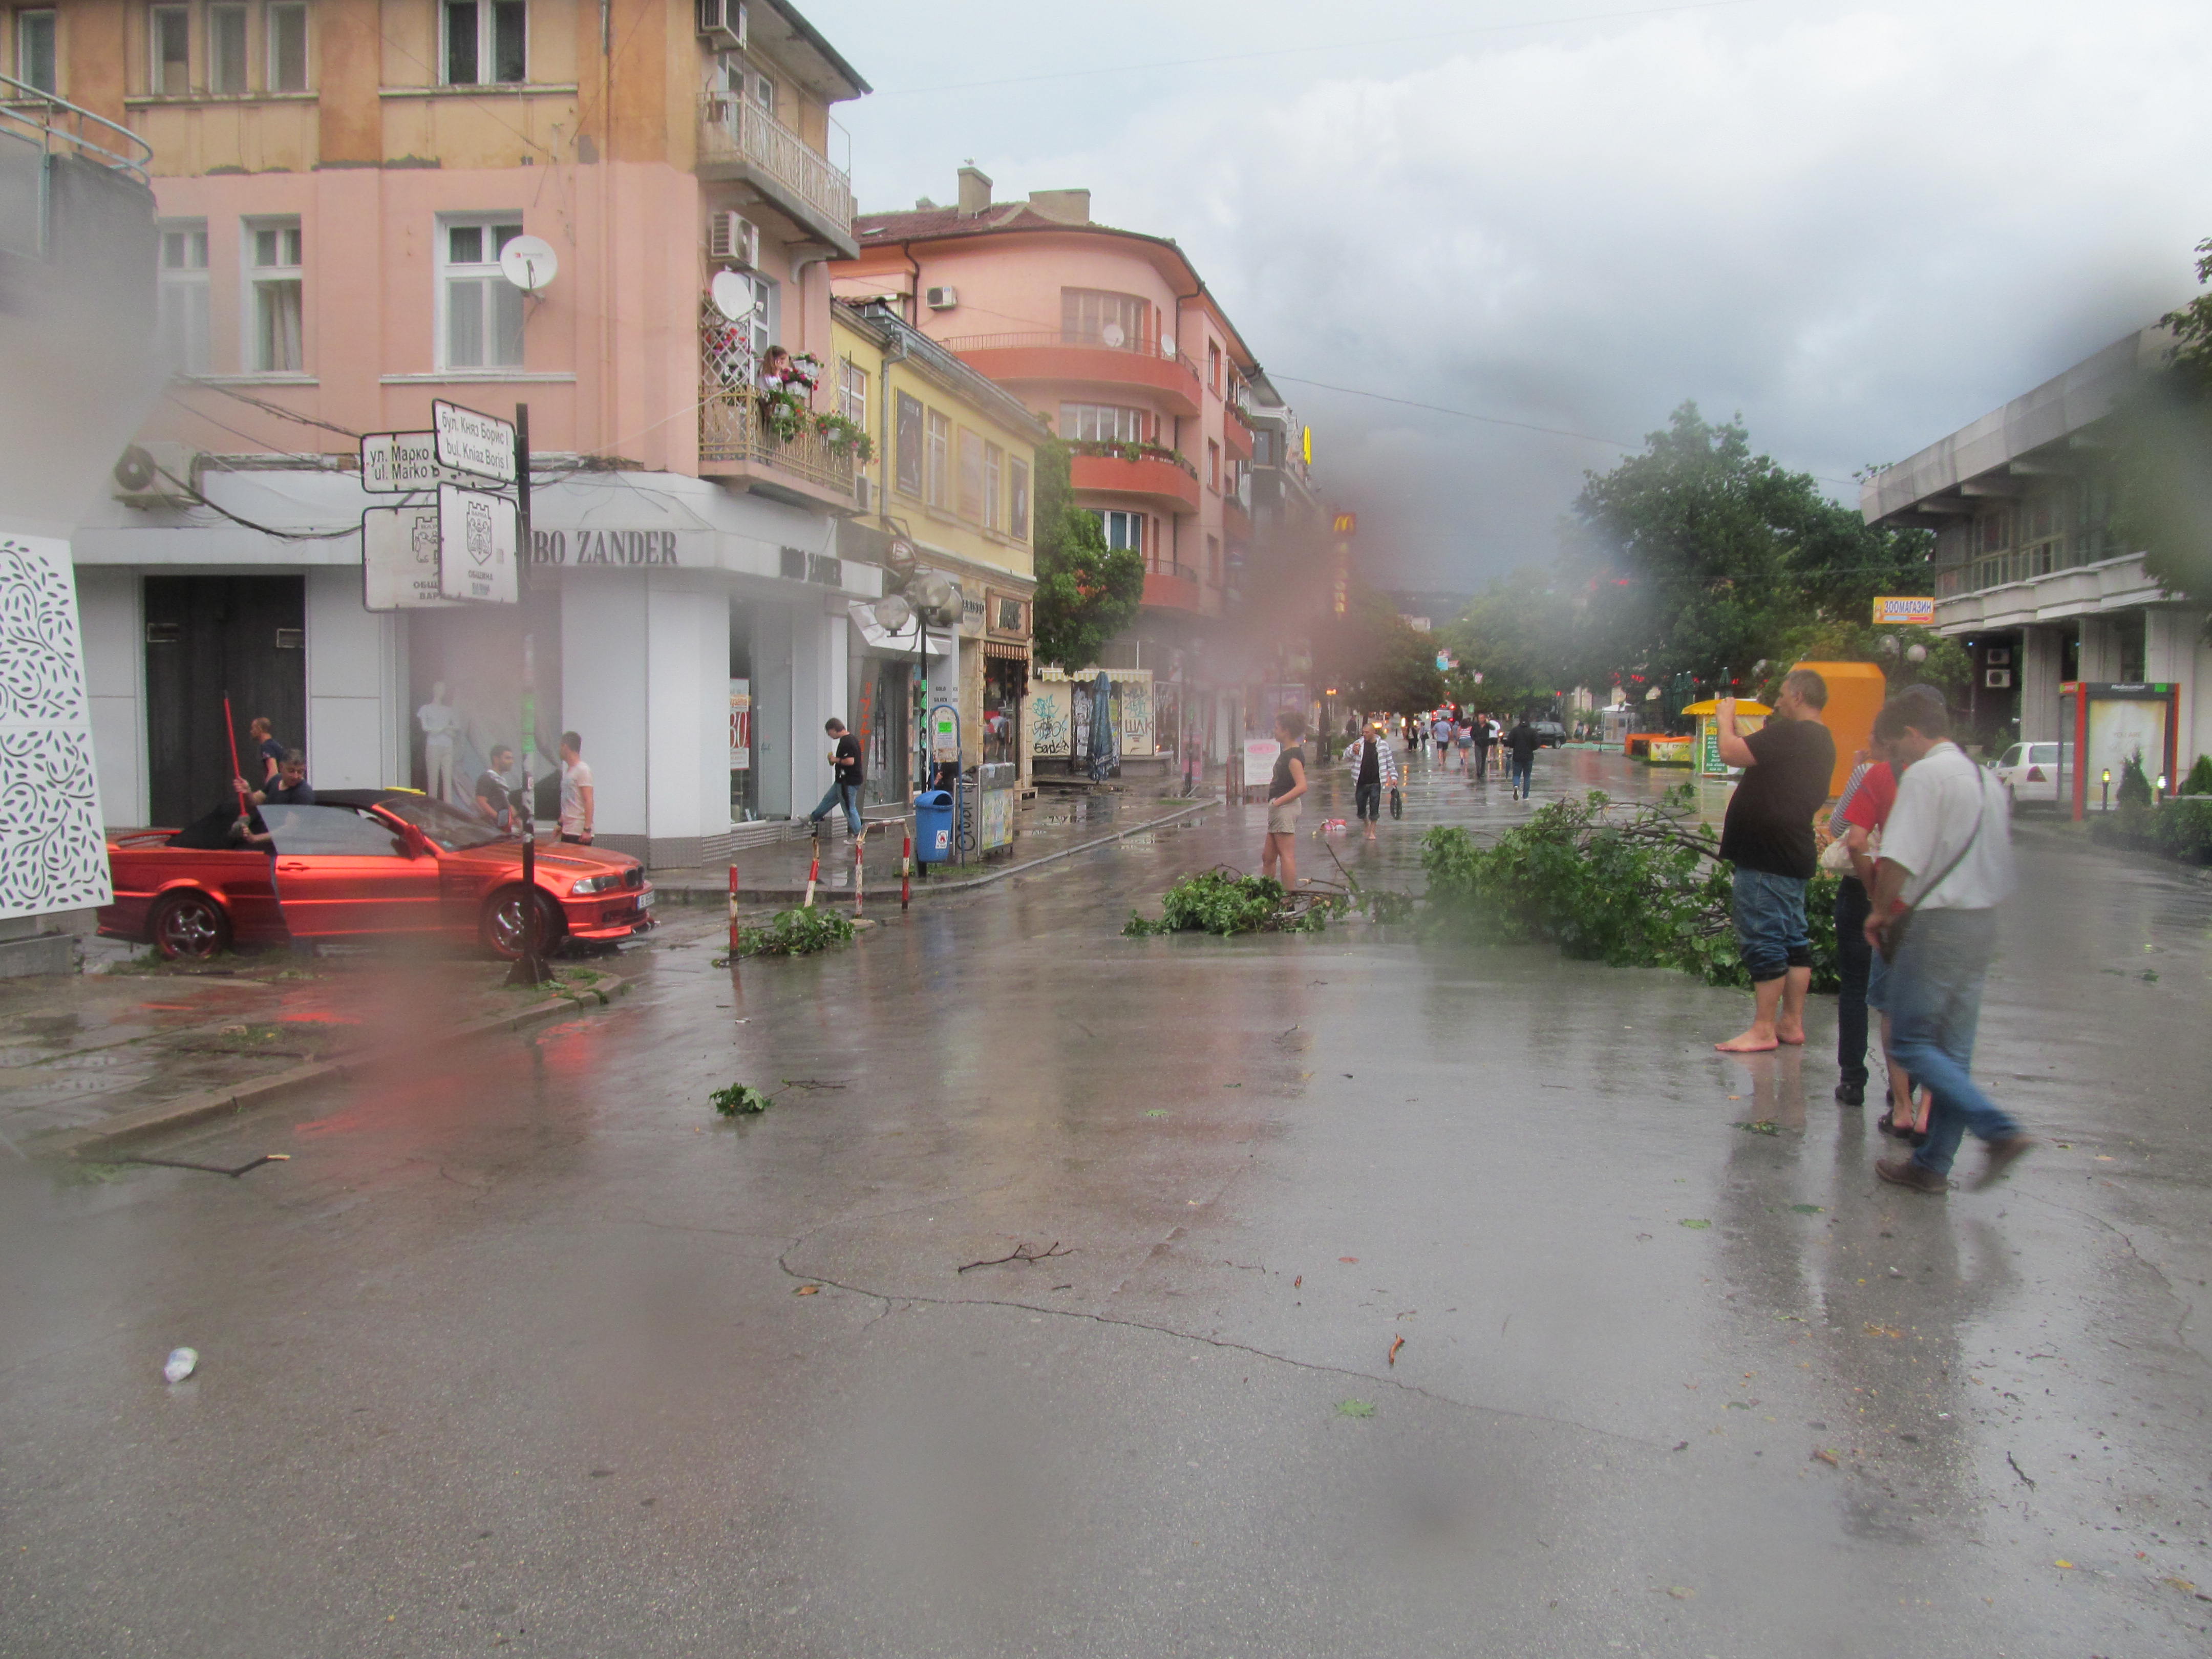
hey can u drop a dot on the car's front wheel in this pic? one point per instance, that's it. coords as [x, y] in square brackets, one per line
[503, 923]
[189, 928]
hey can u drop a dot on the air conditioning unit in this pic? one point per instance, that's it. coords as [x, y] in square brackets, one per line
[157, 474]
[733, 236]
[723, 23]
[942, 299]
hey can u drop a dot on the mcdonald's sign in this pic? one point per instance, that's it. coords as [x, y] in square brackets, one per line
[1347, 524]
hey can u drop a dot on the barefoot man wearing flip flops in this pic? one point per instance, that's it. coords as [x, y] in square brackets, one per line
[1768, 837]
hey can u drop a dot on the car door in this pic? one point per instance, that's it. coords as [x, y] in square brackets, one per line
[342, 871]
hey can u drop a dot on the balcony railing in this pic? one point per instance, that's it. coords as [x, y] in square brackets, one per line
[59, 127]
[734, 131]
[2021, 564]
[1178, 367]
[733, 423]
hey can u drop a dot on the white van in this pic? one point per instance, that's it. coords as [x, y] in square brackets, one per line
[2030, 771]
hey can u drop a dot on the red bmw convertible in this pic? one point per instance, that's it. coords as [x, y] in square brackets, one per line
[363, 863]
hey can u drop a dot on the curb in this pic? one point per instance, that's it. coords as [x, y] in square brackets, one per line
[187, 1109]
[705, 889]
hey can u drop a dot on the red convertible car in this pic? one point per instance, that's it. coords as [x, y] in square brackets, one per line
[359, 863]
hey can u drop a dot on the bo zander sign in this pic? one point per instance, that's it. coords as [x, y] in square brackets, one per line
[619, 547]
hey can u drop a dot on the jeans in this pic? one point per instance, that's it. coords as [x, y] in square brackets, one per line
[1367, 801]
[1854, 958]
[845, 795]
[1769, 923]
[1524, 775]
[1935, 1002]
[1481, 759]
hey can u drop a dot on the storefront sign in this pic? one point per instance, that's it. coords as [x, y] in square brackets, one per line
[475, 546]
[620, 547]
[1891, 610]
[399, 560]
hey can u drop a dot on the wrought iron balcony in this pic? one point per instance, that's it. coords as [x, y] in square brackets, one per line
[739, 140]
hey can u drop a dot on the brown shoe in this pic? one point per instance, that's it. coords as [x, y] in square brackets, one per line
[1904, 1172]
[2003, 1154]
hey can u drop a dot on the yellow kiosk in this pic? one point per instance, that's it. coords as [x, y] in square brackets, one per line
[1706, 756]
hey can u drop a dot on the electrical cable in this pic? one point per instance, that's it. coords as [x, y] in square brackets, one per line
[268, 408]
[248, 524]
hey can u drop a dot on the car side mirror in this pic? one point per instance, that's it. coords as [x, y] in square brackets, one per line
[417, 843]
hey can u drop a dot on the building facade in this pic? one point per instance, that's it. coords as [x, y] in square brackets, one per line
[2029, 572]
[338, 182]
[1112, 338]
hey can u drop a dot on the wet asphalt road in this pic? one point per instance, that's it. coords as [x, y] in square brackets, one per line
[520, 1355]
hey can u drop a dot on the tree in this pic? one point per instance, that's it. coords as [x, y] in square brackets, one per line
[2161, 431]
[1375, 660]
[1086, 591]
[1521, 634]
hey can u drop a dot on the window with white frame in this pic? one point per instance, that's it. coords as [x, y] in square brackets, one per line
[994, 486]
[764, 94]
[275, 302]
[1123, 528]
[1017, 501]
[169, 39]
[184, 295]
[486, 42]
[36, 61]
[482, 325]
[226, 55]
[939, 450]
[285, 27]
[1102, 422]
[853, 393]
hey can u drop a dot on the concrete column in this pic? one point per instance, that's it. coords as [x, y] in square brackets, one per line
[2042, 656]
[2172, 640]
[604, 654]
[2100, 648]
[773, 719]
[686, 670]
[110, 614]
[817, 649]
[356, 686]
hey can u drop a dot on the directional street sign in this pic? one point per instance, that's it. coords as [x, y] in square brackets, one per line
[399, 560]
[477, 537]
[483, 445]
[396, 461]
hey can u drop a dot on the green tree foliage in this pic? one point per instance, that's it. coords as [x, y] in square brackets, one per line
[2162, 437]
[1521, 634]
[1086, 591]
[1375, 660]
[1222, 902]
[1949, 665]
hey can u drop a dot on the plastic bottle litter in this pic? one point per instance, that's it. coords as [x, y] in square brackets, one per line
[180, 1364]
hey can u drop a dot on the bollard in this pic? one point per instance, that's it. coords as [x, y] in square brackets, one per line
[905, 866]
[734, 915]
[813, 871]
[859, 867]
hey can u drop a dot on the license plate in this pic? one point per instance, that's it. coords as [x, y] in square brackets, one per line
[645, 900]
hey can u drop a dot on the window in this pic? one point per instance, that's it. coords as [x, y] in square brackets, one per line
[287, 29]
[853, 393]
[1092, 316]
[483, 310]
[184, 297]
[971, 477]
[274, 298]
[170, 36]
[1212, 464]
[1123, 528]
[1214, 365]
[940, 460]
[908, 436]
[1107, 422]
[226, 28]
[994, 476]
[1018, 501]
[1260, 452]
[485, 42]
[764, 93]
[1213, 560]
[34, 51]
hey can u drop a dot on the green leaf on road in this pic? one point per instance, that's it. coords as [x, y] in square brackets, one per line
[1355, 1408]
[1697, 1225]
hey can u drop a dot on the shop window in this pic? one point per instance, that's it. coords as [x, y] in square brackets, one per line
[939, 445]
[36, 61]
[286, 26]
[1005, 681]
[1017, 501]
[486, 42]
[971, 477]
[274, 299]
[483, 310]
[169, 38]
[909, 422]
[225, 28]
[184, 296]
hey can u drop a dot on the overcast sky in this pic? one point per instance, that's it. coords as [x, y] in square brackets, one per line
[1860, 226]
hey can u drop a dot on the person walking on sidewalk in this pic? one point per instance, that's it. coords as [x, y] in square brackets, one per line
[1522, 742]
[1946, 865]
[579, 800]
[847, 770]
[1285, 789]
[1768, 836]
[1852, 830]
[1374, 768]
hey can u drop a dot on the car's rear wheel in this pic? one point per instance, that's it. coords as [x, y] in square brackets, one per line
[189, 928]
[503, 920]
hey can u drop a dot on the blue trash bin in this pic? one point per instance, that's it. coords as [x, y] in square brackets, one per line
[932, 826]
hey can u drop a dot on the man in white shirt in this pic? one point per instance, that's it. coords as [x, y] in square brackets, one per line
[577, 795]
[1946, 864]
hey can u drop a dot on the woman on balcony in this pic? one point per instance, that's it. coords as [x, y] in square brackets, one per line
[778, 374]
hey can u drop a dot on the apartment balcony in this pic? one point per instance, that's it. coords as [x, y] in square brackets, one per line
[1174, 587]
[1156, 481]
[1236, 435]
[1074, 365]
[1235, 517]
[740, 143]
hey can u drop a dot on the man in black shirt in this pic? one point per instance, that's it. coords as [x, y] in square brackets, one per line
[845, 787]
[1522, 743]
[289, 787]
[497, 798]
[1768, 837]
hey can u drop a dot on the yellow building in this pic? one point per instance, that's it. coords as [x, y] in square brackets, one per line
[947, 486]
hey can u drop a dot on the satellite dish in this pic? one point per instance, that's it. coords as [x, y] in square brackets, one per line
[1167, 345]
[1113, 335]
[529, 262]
[731, 291]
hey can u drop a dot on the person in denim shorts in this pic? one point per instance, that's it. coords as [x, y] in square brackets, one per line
[1768, 837]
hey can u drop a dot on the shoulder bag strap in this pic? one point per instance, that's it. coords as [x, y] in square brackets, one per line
[1981, 818]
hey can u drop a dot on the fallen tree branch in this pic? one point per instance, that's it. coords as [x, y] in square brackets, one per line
[1024, 1254]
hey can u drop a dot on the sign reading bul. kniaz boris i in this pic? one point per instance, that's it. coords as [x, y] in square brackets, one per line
[482, 445]
[477, 537]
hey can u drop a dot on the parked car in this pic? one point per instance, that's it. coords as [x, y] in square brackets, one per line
[1550, 731]
[2030, 771]
[363, 863]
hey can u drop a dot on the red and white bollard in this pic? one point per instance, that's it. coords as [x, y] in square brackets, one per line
[734, 915]
[813, 874]
[905, 866]
[859, 867]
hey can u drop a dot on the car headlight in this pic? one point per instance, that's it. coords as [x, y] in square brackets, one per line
[597, 885]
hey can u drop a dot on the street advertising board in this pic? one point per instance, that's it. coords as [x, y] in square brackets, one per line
[1892, 610]
[741, 725]
[480, 445]
[2112, 725]
[399, 560]
[477, 537]
[394, 462]
[1260, 755]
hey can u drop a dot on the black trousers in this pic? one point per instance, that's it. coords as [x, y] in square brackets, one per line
[1367, 800]
[1854, 956]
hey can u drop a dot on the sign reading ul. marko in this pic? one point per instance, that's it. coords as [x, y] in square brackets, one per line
[619, 547]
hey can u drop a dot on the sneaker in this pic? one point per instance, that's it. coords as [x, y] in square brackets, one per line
[1851, 1094]
[1904, 1172]
[2003, 1154]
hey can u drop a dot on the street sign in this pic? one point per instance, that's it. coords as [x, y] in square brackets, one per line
[482, 445]
[399, 560]
[1891, 610]
[477, 537]
[391, 462]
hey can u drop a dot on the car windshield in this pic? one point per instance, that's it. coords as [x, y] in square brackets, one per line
[2010, 757]
[449, 827]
